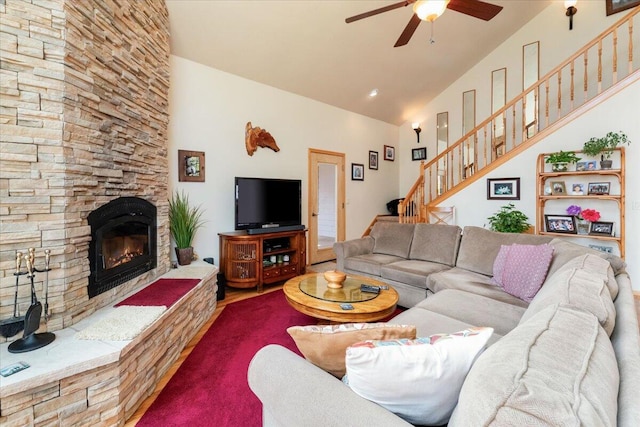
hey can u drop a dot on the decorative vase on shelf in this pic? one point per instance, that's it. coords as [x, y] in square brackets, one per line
[184, 255]
[606, 164]
[560, 167]
[582, 226]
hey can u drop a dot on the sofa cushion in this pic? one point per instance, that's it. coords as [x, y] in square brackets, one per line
[369, 263]
[326, 346]
[579, 288]
[475, 309]
[479, 247]
[558, 368]
[419, 380]
[521, 269]
[411, 272]
[596, 264]
[566, 251]
[392, 238]
[436, 243]
[465, 280]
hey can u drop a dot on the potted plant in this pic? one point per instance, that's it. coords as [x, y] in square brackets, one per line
[560, 160]
[604, 147]
[184, 221]
[509, 220]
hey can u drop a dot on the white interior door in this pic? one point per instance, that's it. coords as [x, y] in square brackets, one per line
[326, 204]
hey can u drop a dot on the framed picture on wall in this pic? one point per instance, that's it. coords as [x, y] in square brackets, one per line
[373, 160]
[419, 153]
[191, 166]
[503, 189]
[357, 171]
[389, 153]
[615, 6]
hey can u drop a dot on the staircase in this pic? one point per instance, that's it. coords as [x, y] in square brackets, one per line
[602, 68]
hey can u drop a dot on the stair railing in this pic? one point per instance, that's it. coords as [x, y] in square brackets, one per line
[574, 83]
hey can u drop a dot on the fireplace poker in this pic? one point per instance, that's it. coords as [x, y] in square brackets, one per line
[47, 259]
[10, 327]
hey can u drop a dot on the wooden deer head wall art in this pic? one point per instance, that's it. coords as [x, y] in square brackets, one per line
[255, 137]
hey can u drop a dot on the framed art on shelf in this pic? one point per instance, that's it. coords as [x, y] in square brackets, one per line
[373, 160]
[615, 6]
[389, 153]
[419, 153]
[560, 224]
[599, 188]
[503, 189]
[357, 172]
[599, 228]
[558, 188]
[191, 166]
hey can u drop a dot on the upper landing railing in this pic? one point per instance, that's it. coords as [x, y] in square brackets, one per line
[598, 66]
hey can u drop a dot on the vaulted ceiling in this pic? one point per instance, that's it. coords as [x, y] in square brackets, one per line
[305, 47]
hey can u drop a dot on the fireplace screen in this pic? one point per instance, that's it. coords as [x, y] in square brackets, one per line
[123, 242]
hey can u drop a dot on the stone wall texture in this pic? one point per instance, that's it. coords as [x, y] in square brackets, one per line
[84, 113]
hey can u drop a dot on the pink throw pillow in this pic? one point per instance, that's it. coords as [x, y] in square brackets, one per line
[525, 270]
[498, 264]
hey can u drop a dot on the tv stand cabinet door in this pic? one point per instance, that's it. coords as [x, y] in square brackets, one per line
[240, 261]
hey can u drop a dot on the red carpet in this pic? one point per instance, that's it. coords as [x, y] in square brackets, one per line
[210, 388]
[161, 292]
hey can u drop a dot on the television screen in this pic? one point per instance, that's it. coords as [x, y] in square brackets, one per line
[267, 203]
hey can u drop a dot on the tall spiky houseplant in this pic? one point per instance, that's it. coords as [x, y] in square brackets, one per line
[184, 221]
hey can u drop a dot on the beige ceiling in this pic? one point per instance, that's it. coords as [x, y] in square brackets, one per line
[305, 47]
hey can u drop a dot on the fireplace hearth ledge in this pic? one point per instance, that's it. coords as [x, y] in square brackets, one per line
[110, 379]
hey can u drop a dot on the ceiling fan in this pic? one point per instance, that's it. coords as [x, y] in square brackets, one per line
[430, 10]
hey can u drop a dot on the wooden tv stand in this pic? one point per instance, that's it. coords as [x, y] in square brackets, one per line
[245, 259]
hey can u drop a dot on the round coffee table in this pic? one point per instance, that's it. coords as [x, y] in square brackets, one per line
[310, 295]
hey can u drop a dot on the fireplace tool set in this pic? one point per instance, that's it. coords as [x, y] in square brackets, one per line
[30, 322]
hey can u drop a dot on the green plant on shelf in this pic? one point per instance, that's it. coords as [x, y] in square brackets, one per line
[605, 145]
[563, 157]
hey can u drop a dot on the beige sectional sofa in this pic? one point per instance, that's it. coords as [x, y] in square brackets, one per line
[569, 357]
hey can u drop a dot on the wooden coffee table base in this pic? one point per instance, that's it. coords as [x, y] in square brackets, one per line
[366, 311]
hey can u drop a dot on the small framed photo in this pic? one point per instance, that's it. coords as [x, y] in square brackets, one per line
[601, 248]
[389, 153]
[419, 153]
[591, 165]
[373, 160]
[558, 188]
[599, 228]
[357, 172]
[600, 188]
[503, 189]
[581, 166]
[560, 224]
[577, 189]
[615, 6]
[191, 166]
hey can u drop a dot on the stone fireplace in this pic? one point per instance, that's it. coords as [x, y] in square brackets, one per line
[84, 114]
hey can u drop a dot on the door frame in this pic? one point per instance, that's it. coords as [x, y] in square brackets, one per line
[320, 255]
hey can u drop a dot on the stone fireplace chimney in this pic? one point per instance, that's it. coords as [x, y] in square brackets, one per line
[84, 114]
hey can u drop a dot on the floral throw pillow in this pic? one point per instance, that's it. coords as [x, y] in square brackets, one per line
[520, 270]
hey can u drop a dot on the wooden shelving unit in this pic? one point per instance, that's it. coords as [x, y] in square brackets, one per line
[245, 258]
[545, 174]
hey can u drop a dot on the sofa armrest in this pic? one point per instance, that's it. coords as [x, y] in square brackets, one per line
[349, 248]
[297, 393]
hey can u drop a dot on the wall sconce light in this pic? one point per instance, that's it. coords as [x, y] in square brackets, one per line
[571, 10]
[416, 127]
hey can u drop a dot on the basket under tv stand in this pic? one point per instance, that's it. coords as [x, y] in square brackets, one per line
[253, 260]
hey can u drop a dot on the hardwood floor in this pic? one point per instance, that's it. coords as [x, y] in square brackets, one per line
[232, 295]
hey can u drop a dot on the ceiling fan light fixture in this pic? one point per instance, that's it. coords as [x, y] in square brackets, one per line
[429, 10]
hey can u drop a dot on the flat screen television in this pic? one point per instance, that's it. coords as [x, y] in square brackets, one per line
[268, 204]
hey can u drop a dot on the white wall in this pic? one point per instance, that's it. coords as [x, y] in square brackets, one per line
[208, 112]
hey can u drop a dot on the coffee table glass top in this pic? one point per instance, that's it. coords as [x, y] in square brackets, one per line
[316, 286]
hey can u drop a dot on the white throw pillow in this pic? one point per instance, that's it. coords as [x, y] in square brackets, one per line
[418, 380]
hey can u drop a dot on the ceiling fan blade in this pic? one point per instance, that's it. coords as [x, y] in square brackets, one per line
[408, 31]
[476, 8]
[379, 11]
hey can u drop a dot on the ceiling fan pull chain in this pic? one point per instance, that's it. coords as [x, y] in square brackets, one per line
[431, 39]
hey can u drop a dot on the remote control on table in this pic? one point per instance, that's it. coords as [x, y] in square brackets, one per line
[12, 369]
[384, 287]
[346, 306]
[370, 288]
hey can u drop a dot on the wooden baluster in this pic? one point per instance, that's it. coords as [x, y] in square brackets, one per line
[484, 152]
[513, 126]
[600, 66]
[615, 57]
[630, 45]
[559, 93]
[586, 76]
[546, 103]
[572, 90]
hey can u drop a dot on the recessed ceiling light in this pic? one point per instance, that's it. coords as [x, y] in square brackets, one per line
[373, 93]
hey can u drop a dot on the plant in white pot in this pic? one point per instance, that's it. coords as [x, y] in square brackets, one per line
[604, 147]
[184, 221]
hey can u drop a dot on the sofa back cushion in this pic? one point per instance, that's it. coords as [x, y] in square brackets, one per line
[436, 243]
[582, 288]
[392, 238]
[558, 368]
[479, 247]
